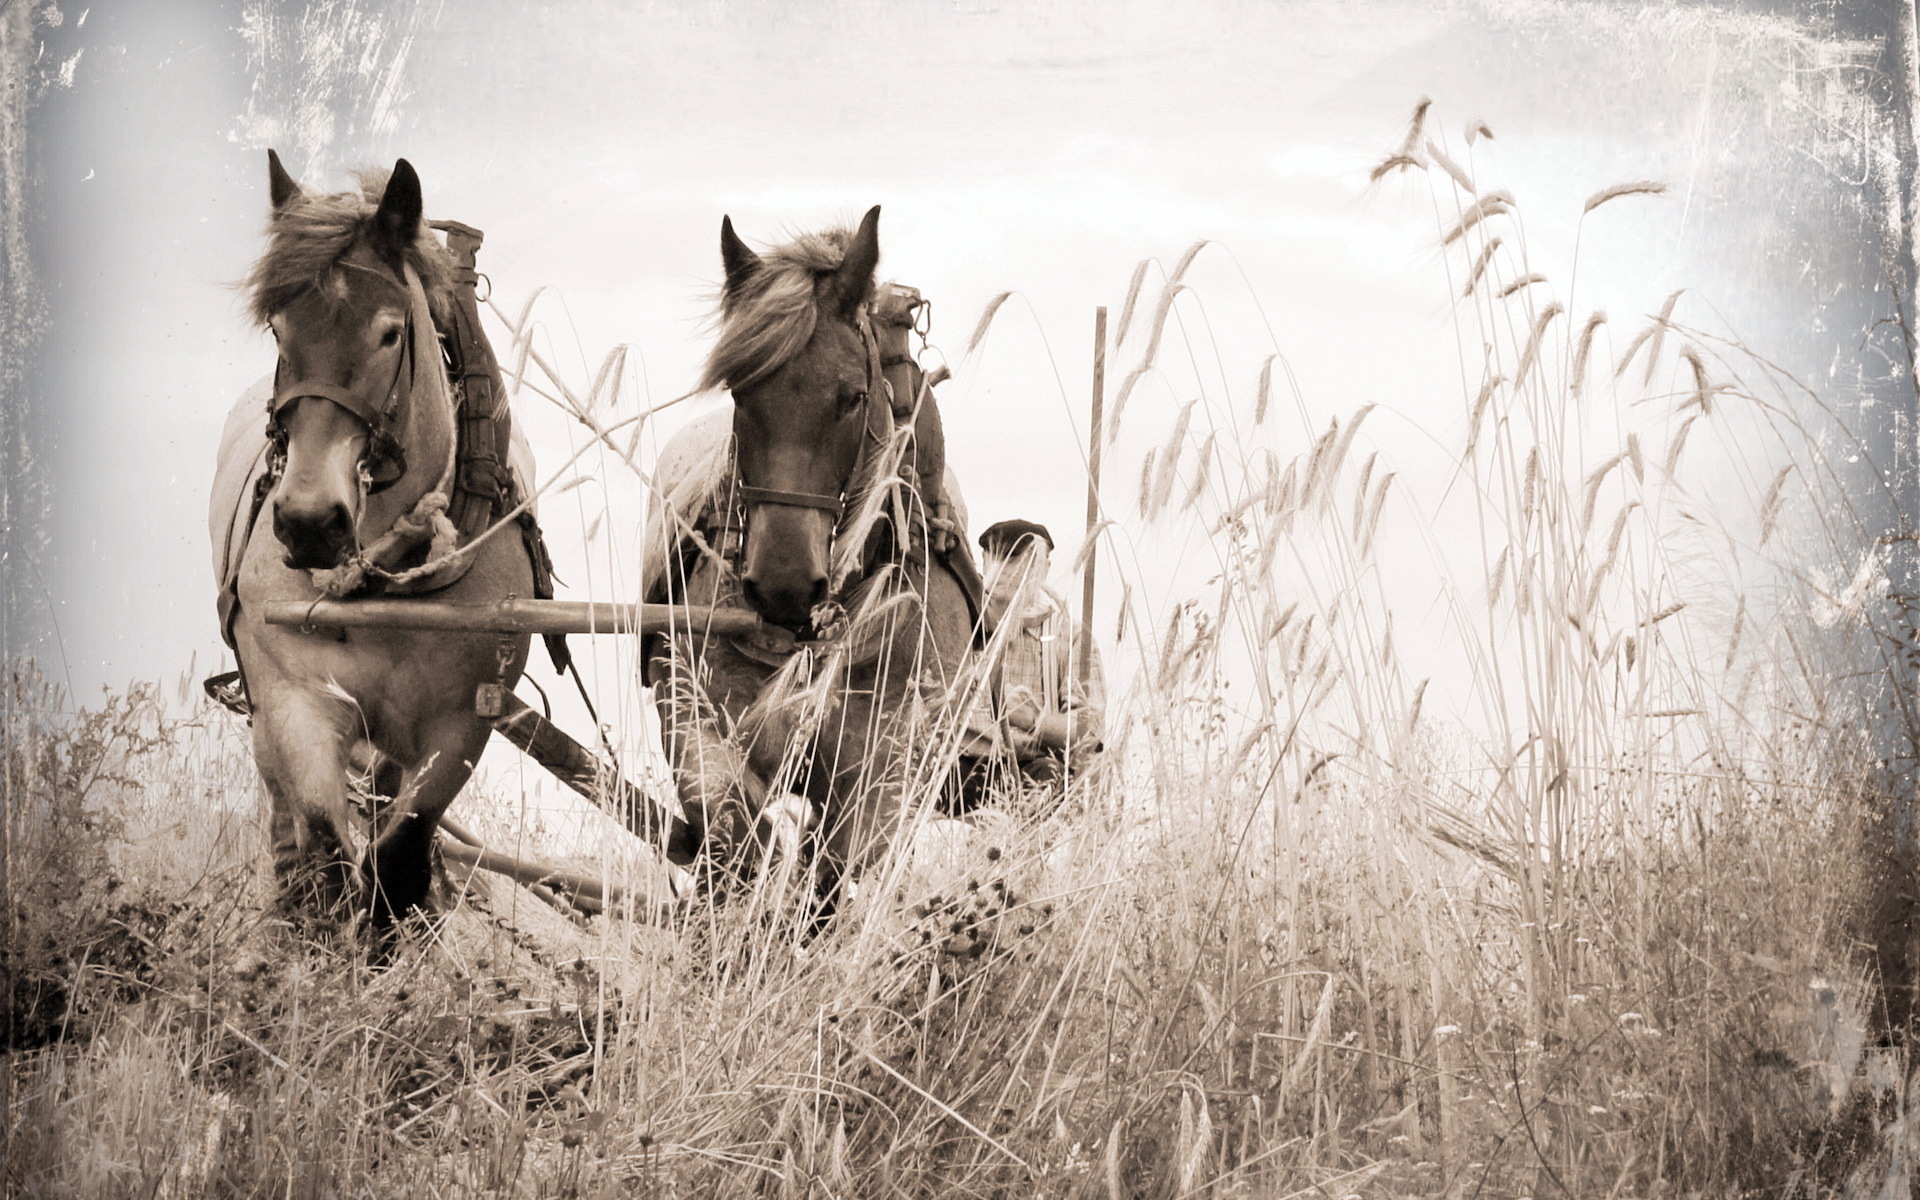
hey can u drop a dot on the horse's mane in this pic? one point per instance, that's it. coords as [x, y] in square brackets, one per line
[309, 235]
[770, 316]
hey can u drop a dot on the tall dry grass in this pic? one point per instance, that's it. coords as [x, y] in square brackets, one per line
[1587, 928]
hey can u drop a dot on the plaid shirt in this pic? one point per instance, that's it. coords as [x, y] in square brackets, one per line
[1038, 672]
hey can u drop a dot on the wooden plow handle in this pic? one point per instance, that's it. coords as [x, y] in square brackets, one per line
[587, 773]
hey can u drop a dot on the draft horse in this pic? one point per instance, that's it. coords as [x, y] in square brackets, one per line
[805, 505]
[351, 463]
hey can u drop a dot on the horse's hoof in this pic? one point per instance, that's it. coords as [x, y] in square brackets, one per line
[391, 902]
[313, 892]
[783, 825]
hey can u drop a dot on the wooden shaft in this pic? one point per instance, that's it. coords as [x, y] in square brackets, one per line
[1094, 441]
[578, 889]
[591, 776]
[571, 907]
[510, 616]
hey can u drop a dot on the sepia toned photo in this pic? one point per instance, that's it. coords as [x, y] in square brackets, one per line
[1081, 600]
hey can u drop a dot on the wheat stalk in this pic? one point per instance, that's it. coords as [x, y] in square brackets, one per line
[1494, 205]
[1479, 267]
[1133, 298]
[1453, 169]
[1532, 353]
[1642, 187]
[1577, 380]
[985, 322]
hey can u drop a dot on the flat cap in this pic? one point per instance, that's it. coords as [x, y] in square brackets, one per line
[1004, 535]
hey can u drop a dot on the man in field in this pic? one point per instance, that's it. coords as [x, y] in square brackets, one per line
[1038, 717]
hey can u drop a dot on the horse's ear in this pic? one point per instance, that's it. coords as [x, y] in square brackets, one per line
[739, 261]
[397, 221]
[280, 186]
[854, 280]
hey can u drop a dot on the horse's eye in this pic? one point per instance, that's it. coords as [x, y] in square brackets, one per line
[390, 338]
[853, 398]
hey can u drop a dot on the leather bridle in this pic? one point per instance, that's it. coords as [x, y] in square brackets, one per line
[385, 461]
[837, 505]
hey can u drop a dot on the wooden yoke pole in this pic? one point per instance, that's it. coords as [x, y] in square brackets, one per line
[1094, 440]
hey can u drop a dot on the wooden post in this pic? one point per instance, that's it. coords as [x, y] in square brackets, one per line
[1094, 440]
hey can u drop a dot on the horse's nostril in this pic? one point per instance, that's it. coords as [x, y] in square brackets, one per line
[785, 605]
[316, 538]
[340, 524]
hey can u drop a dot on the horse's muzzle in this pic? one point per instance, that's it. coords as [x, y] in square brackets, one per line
[787, 604]
[315, 540]
[785, 563]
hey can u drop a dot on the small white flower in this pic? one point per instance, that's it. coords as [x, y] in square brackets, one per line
[1441, 1031]
[1576, 998]
[1596, 1110]
[1530, 1045]
[1650, 1031]
[1630, 1016]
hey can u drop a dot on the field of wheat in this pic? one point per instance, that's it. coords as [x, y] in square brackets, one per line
[1611, 921]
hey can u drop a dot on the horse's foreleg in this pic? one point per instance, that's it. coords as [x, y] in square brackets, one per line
[866, 794]
[719, 789]
[398, 867]
[301, 747]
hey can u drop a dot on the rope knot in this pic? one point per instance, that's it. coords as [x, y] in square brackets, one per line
[343, 580]
[421, 519]
[429, 518]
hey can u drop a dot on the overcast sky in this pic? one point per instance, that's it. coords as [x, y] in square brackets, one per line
[1043, 149]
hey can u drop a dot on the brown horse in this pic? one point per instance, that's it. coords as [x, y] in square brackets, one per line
[811, 513]
[360, 435]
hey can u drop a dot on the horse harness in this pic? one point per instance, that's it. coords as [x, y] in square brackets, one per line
[385, 461]
[747, 495]
[894, 305]
[480, 487]
[723, 527]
